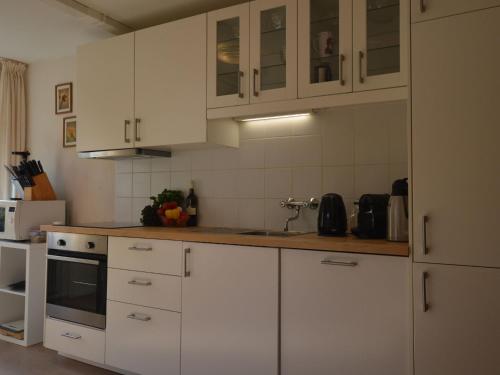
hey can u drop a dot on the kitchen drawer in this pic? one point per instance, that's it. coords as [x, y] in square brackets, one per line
[137, 254]
[145, 289]
[149, 346]
[73, 339]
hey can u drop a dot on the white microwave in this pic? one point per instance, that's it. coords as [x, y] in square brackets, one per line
[17, 218]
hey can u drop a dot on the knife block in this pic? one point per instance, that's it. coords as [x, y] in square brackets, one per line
[42, 191]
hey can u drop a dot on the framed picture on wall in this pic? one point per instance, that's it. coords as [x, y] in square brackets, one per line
[69, 131]
[64, 98]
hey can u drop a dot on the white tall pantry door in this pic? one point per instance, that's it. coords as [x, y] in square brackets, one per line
[230, 310]
[455, 139]
[105, 94]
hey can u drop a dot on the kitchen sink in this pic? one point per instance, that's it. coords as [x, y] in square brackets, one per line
[266, 233]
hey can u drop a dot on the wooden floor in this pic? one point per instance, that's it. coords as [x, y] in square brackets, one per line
[37, 360]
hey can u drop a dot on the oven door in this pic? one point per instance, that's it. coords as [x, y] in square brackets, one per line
[76, 287]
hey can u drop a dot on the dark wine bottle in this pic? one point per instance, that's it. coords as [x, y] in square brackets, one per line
[192, 207]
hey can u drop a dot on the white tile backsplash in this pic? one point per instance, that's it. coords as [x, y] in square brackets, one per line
[350, 151]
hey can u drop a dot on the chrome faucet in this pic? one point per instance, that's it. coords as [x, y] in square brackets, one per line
[292, 204]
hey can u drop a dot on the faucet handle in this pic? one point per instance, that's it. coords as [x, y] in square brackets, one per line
[287, 203]
[313, 203]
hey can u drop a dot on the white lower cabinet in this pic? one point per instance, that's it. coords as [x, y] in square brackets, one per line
[76, 340]
[345, 314]
[143, 340]
[457, 325]
[230, 310]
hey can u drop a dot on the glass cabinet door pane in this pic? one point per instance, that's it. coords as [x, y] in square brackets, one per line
[383, 37]
[228, 56]
[324, 40]
[273, 48]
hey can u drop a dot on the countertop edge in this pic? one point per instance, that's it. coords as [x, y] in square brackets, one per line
[309, 241]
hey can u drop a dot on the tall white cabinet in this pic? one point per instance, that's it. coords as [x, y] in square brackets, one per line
[105, 94]
[345, 314]
[455, 134]
[423, 10]
[229, 310]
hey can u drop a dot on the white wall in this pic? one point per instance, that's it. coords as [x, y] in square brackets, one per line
[86, 185]
[350, 151]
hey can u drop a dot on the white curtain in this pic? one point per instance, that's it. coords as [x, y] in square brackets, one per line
[12, 117]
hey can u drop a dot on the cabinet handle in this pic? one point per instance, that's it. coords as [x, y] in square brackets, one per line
[330, 262]
[425, 305]
[137, 128]
[135, 248]
[341, 69]
[255, 73]
[140, 283]
[423, 8]
[125, 130]
[142, 318]
[425, 248]
[187, 272]
[361, 57]
[240, 76]
[73, 336]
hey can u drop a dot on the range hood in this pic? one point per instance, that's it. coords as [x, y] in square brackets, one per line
[124, 153]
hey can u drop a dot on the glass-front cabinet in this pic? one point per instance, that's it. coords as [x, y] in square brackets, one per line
[228, 56]
[273, 50]
[380, 45]
[325, 47]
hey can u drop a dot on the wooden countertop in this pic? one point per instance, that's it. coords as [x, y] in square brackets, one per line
[308, 241]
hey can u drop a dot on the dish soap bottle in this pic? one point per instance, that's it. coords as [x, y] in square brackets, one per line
[192, 207]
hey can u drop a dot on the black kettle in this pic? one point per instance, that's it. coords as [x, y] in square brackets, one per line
[332, 218]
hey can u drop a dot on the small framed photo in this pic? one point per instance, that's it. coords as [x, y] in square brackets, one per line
[64, 98]
[69, 131]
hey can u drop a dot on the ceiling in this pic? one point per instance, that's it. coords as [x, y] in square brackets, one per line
[139, 14]
[33, 30]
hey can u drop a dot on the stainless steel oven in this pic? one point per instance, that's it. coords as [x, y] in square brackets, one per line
[77, 278]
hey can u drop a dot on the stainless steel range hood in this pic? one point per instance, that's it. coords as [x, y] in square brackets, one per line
[124, 154]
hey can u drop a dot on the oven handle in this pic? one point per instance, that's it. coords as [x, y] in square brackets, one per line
[73, 260]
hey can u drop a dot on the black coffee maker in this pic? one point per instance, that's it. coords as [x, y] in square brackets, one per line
[332, 218]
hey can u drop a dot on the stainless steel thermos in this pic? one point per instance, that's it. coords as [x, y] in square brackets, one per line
[397, 212]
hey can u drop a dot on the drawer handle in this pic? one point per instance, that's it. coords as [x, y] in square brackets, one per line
[73, 336]
[187, 272]
[135, 248]
[330, 262]
[425, 304]
[140, 283]
[141, 317]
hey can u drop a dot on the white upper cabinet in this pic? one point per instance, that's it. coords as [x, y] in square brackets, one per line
[456, 323]
[170, 83]
[105, 94]
[345, 314]
[273, 50]
[455, 133]
[380, 48]
[230, 310]
[325, 47]
[422, 10]
[228, 56]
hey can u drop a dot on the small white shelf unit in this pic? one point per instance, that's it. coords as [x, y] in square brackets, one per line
[23, 261]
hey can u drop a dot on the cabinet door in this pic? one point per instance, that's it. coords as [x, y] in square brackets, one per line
[230, 311]
[273, 50]
[345, 314]
[170, 83]
[105, 94]
[422, 10]
[380, 43]
[228, 56]
[455, 137]
[459, 330]
[143, 340]
[325, 47]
